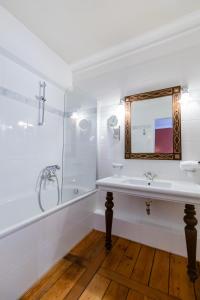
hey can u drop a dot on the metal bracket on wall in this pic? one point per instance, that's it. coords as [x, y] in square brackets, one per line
[42, 99]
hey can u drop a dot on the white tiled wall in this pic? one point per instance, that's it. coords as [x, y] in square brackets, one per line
[26, 148]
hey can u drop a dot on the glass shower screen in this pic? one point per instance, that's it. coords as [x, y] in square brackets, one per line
[79, 148]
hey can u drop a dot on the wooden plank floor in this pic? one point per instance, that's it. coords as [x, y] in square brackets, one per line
[130, 271]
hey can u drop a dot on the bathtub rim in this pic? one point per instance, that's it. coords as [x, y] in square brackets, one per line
[42, 215]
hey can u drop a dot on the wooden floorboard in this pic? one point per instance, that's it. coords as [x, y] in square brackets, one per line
[128, 260]
[92, 268]
[84, 248]
[130, 271]
[140, 288]
[113, 259]
[133, 295]
[116, 291]
[160, 271]
[65, 283]
[179, 283]
[45, 283]
[143, 266]
[96, 289]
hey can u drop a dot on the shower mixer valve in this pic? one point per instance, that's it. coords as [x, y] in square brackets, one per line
[51, 170]
[48, 174]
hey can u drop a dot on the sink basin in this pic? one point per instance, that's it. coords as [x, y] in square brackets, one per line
[134, 181]
[143, 182]
[160, 184]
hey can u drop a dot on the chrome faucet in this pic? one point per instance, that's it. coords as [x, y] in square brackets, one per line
[49, 174]
[150, 176]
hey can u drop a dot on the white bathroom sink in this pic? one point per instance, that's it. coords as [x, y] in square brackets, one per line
[168, 190]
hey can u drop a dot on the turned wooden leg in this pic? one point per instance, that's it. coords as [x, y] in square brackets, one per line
[191, 240]
[109, 217]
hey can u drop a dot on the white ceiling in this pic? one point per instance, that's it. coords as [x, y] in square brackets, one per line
[77, 29]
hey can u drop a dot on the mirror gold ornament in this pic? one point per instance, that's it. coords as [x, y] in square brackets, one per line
[153, 125]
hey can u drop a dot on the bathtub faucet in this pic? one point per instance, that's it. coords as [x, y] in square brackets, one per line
[48, 174]
[51, 170]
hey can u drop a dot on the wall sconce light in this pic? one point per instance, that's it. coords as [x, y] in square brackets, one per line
[74, 116]
[121, 101]
[185, 95]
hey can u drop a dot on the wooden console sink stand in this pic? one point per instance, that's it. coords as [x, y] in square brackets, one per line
[190, 233]
[187, 194]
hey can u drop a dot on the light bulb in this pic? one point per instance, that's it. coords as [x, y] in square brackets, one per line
[185, 96]
[74, 116]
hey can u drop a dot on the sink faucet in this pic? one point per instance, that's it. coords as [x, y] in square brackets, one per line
[149, 175]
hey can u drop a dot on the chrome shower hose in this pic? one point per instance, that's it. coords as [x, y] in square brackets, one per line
[39, 192]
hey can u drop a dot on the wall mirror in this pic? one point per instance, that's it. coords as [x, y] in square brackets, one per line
[153, 125]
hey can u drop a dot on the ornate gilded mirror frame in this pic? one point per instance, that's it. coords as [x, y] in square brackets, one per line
[175, 92]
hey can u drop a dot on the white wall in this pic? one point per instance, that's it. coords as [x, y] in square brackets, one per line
[22, 46]
[164, 228]
[26, 148]
[180, 68]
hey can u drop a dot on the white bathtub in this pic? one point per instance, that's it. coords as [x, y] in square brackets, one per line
[18, 213]
[32, 241]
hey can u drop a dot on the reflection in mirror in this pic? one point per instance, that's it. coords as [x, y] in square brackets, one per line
[152, 126]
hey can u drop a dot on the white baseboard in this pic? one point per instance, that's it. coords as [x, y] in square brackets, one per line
[156, 236]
